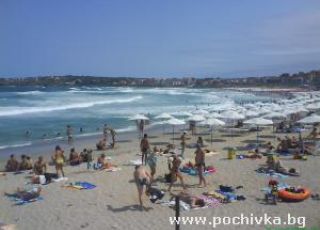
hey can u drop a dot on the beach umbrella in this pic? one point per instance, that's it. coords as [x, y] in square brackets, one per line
[251, 113]
[275, 115]
[314, 118]
[214, 115]
[174, 122]
[182, 114]
[163, 117]
[138, 117]
[201, 112]
[212, 122]
[259, 121]
[314, 106]
[232, 115]
[196, 117]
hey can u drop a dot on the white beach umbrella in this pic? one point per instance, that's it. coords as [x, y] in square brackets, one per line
[251, 113]
[275, 115]
[214, 115]
[182, 114]
[174, 122]
[196, 117]
[138, 117]
[201, 112]
[259, 121]
[314, 106]
[213, 122]
[314, 118]
[232, 115]
[163, 117]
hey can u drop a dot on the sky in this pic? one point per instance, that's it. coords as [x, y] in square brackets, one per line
[158, 38]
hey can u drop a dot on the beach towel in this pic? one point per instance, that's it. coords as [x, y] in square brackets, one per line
[194, 172]
[79, 185]
[60, 179]
[183, 205]
[270, 173]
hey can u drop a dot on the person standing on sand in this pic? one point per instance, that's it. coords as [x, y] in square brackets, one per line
[141, 128]
[113, 136]
[59, 159]
[174, 172]
[183, 144]
[145, 148]
[69, 134]
[200, 164]
[142, 179]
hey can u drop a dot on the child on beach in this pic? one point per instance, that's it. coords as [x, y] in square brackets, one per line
[174, 171]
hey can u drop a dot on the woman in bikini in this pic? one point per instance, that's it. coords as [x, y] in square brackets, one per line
[175, 173]
[59, 159]
[142, 179]
[145, 148]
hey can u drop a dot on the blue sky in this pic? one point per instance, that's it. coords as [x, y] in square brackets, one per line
[165, 38]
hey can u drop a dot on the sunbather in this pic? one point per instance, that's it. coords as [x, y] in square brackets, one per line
[12, 164]
[193, 201]
[40, 166]
[59, 159]
[74, 157]
[25, 195]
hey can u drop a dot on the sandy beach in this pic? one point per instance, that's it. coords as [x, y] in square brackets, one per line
[113, 204]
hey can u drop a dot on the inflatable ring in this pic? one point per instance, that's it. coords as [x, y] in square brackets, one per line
[294, 197]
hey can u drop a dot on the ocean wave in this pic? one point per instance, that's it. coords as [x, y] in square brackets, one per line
[15, 145]
[34, 92]
[6, 111]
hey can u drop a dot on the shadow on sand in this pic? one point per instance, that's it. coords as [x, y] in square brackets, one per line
[132, 208]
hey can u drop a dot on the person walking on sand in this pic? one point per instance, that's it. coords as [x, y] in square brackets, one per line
[200, 164]
[152, 162]
[145, 148]
[59, 159]
[69, 134]
[174, 172]
[142, 179]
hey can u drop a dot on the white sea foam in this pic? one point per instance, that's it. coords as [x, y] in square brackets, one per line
[34, 92]
[12, 111]
[15, 145]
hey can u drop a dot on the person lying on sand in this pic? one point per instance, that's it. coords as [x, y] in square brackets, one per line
[46, 178]
[190, 199]
[40, 166]
[142, 179]
[174, 171]
[12, 164]
[25, 195]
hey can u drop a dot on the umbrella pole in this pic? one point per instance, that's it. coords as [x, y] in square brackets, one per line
[257, 136]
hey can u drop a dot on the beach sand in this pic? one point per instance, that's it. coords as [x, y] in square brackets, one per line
[113, 204]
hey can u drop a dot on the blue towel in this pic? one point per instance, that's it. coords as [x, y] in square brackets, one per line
[85, 185]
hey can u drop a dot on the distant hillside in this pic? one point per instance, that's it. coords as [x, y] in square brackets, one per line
[309, 80]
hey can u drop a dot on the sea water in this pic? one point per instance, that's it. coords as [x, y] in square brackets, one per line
[32, 114]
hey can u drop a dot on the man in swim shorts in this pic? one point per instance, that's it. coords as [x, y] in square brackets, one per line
[142, 179]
